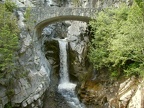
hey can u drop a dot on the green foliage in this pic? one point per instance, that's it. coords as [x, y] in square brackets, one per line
[140, 3]
[8, 105]
[118, 42]
[114, 74]
[10, 6]
[27, 14]
[76, 2]
[8, 40]
[28, 20]
[10, 93]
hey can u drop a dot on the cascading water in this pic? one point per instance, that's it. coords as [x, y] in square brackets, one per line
[63, 62]
[66, 88]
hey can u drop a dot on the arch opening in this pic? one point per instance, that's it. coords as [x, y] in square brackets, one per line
[41, 25]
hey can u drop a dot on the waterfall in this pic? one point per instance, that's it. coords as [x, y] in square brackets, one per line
[63, 62]
[65, 87]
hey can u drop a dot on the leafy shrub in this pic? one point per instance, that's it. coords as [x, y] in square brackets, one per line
[10, 6]
[27, 13]
[118, 38]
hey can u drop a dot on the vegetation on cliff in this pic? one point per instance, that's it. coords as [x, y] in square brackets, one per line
[118, 42]
[8, 38]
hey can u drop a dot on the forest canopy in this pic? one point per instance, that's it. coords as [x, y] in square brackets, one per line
[118, 41]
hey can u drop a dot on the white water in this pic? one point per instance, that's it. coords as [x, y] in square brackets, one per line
[66, 88]
[64, 77]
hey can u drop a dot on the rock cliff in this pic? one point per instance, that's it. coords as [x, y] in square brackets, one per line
[40, 65]
[32, 79]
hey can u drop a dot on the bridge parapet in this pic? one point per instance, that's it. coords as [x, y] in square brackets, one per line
[43, 14]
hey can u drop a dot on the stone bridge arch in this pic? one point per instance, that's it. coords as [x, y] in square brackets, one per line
[46, 22]
[43, 16]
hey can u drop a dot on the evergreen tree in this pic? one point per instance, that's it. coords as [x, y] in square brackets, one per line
[8, 38]
[118, 42]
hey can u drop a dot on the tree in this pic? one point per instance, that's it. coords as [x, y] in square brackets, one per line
[8, 38]
[118, 42]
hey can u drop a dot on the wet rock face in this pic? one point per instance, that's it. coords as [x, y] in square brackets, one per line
[54, 100]
[80, 70]
[97, 92]
[77, 36]
[52, 52]
[56, 30]
[126, 93]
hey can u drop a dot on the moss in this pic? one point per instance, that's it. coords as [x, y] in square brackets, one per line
[27, 14]
[10, 93]
[8, 105]
[76, 2]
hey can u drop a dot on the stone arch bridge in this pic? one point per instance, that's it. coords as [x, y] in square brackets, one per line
[43, 16]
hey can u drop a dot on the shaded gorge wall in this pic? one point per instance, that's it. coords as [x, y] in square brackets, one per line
[76, 33]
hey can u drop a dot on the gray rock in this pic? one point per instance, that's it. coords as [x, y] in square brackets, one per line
[32, 56]
[21, 19]
[1, 106]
